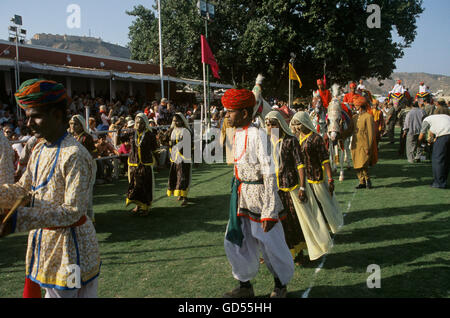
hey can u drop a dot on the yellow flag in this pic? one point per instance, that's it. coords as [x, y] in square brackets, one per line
[293, 75]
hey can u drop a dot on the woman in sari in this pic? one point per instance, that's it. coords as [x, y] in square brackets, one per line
[304, 226]
[181, 164]
[316, 159]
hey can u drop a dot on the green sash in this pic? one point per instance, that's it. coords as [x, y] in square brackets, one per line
[234, 231]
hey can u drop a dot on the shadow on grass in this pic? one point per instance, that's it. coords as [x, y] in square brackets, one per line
[418, 283]
[164, 249]
[364, 215]
[394, 232]
[392, 255]
[13, 249]
[164, 222]
[111, 260]
[420, 279]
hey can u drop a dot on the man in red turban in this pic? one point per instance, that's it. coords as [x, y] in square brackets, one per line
[325, 94]
[348, 98]
[255, 206]
[239, 104]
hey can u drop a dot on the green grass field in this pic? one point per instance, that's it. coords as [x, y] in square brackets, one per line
[402, 225]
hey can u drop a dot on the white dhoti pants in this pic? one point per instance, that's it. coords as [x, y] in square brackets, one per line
[245, 260]
[86, 291]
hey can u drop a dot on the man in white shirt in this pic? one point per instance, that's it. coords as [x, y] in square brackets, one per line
[423, 88]
[255, 204]
[398, 88]
[439, 126]
[361, 86]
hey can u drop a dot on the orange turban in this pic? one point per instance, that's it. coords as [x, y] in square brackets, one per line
[359, 101]
[352, 85]
[238, 99]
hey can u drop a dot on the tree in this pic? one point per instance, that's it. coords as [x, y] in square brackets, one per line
[252, 36]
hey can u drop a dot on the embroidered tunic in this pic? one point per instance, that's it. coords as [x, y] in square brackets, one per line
[288, 159]
[258, 202]
[180, 172]
[314, 155]
[140, 171]
[59, 176]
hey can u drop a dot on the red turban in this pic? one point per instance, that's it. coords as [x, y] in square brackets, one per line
[238, 99]
[359, 101]
[352, 85]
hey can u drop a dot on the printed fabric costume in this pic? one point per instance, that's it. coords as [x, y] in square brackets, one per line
[314, 156]
[59, 177]
[254, 199]
[141, 181]
[88, 142]
[304, 226]
[180, 172]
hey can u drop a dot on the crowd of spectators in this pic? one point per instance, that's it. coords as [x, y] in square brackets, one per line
[107, 118]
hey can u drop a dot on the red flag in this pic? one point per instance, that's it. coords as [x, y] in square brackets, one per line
[324, 81]
[208, 57]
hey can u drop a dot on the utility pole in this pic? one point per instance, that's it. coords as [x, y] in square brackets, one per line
[17, 34]
[291, 61]
[207, 11]
[160, 50]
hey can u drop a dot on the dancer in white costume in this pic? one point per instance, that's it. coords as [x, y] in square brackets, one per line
[255, 205]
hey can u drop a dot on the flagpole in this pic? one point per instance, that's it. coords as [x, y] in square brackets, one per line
[160, 50]
[289, 98]
[291, 63]
[204, 100]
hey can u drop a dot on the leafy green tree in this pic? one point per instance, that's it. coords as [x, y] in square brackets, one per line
[249, 37]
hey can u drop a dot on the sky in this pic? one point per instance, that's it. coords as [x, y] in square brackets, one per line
[107, 19]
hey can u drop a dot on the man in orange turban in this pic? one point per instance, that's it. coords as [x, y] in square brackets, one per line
[362, 130]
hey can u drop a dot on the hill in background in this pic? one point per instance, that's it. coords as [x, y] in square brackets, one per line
[411, 81]
[80, 44]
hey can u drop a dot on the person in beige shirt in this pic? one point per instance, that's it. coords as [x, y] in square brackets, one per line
[62, 254]
[362, 130]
